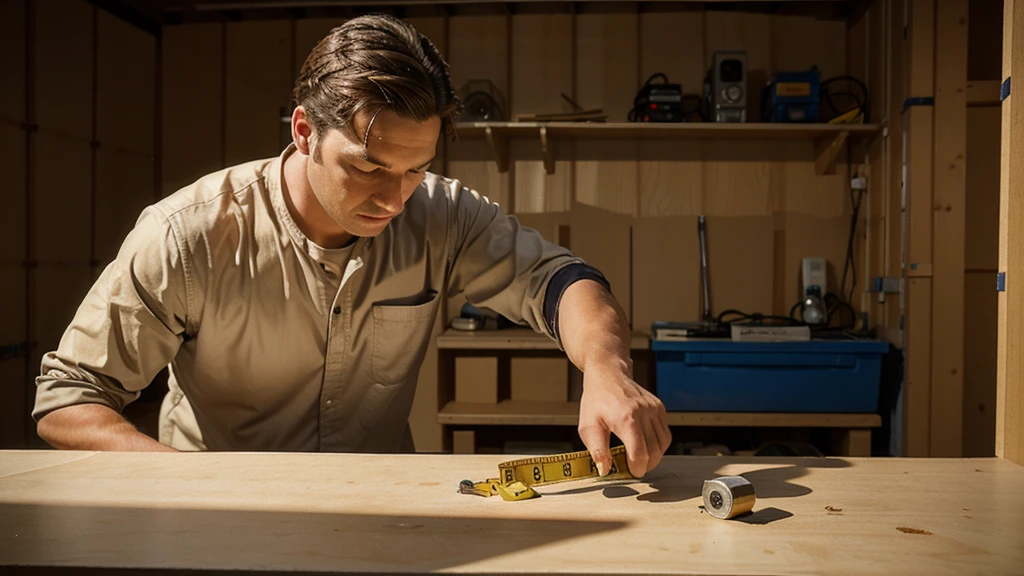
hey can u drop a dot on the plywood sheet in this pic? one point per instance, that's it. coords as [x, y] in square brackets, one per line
[124, 189]
[981, 250]
[12, 66]
[606, 175]
[741, 254]
[478, 48]
[602, 239]
[125, 85]
[795, 186]
[535, 189]
[801, 42]
[63, 67]
[737, 178]
[192, 103]
[672, 42]
[606, 61]
[671, 178]
[62, 199]
[742, 31]
[257, 88]
[14, 216]
[980, 365]
[539, 379]
[666, 271]
[541, 63]
[476, 379]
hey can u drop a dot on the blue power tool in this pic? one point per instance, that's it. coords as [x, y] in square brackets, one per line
[792, 97]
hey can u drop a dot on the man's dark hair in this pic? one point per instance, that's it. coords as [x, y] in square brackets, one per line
[375, 62]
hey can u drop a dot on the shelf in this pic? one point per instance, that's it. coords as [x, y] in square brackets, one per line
[510, 412]
[510, 339]
[828, 138]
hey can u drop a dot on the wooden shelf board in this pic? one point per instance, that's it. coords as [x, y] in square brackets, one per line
[510, 339]
[683, 131]
[511, 412]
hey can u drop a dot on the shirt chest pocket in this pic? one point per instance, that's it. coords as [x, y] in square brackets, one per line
[400, 338]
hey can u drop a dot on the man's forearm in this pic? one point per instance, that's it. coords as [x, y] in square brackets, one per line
[593, 328]
[94, 427]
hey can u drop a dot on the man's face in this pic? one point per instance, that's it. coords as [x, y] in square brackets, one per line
[363, 188]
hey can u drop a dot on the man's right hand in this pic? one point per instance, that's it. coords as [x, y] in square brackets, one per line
[94, 427]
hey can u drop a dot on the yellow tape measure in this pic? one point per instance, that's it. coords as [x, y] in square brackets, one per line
[516, 478]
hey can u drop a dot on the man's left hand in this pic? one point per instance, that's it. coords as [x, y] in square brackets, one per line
[613, 403]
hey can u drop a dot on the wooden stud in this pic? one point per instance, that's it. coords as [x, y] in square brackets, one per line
[463, 442]
[857, 442]
[983, 93]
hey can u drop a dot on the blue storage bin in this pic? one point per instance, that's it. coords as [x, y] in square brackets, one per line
[726, 376]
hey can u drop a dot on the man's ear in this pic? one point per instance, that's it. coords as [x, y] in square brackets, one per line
[302, 131]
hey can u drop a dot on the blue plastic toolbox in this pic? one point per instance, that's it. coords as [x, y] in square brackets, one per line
[719, 375]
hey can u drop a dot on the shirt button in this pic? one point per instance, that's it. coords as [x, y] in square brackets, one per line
[337, 310]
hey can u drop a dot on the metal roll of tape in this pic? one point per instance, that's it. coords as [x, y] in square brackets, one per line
[728, 496]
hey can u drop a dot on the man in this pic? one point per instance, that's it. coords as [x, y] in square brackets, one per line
[294, 297]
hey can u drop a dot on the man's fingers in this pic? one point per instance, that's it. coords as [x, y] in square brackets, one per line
[632, 436]
[654, 451]
[596, 437]
[664, 433]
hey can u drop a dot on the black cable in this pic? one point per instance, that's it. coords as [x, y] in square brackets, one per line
[864, 104]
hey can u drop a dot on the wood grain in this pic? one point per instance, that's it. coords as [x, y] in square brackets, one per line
[602, 239]
[125, 86]
[980, 342]
[64, 67]
[666, 271]
[304, 512]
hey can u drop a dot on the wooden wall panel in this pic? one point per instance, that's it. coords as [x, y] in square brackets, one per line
[541, 63]
[737, 178]
[671, 175]
[62, 200]
[666, 271]
[795, 187]
[258, 81]
[12, 66]
[126, 85]
[741, 256]
[124, 189]
[606, 174]
[981, 250]
[743, 31]
[535, 189]
[800, 42]
[602, 239]
[979, 405]
[192, 103]
[606, 61]
[13, 387]
[672, 42]
[63, 67]
[807, 236]
[949, 221]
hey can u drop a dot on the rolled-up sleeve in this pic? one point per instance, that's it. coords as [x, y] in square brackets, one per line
[129, 326]
[499, 264]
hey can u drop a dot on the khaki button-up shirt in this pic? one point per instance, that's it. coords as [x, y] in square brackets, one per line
[269, 350]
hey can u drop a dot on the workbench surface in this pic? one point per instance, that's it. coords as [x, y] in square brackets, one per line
[401, 513]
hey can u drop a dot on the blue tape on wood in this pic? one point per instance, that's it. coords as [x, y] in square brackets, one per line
[917, 101]
[1004, 90]
[1001, 282]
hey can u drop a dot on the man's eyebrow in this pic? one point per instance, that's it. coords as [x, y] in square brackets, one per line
[386, 166]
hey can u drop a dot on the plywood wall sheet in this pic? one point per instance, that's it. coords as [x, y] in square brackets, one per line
[666, 270]
[981, 250]
[796, 187]
[742, 31]
[472, 163]
[258, 85]
[539, 379]
[124, 189]
[808, 236]
[741, 253]
[800, 42]
[63, 67]
[58, 292]
[602, 239]
[737, 178]
[13, 216]
[125, 85]
[478, 49]
[606, 62]
[192, 103]
[549, 224]
[541, 63]
[672, 42]
[62, 199]
[535, 189]
[12, 66]
[13, 385]
[671, 177]
[309, 32]
[980, 341]
[606, 174]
